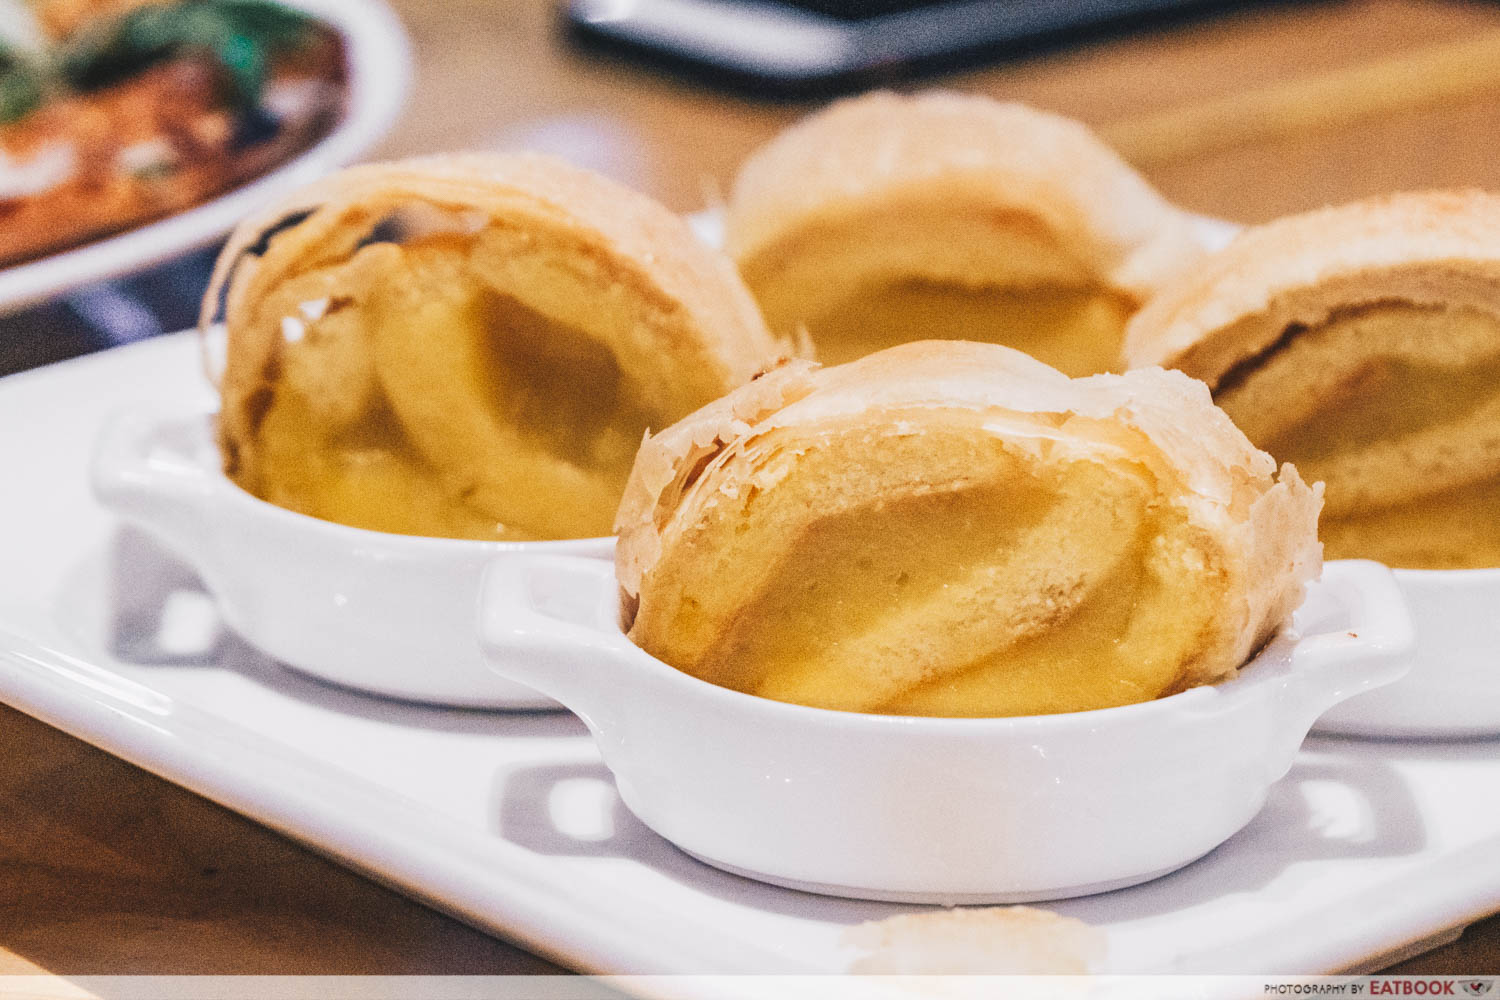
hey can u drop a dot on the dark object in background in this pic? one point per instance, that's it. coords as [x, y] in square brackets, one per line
[793, 48]
[159, 300]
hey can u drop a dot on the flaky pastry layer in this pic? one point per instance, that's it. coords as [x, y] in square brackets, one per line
[1435, 248]
[1050, 174]
[1363, 343]
[1045, 501]
[436, 318]
[886, 219]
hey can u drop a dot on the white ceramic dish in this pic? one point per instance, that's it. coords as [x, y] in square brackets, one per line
[379, 62]
[389, 614]
[1365, 851]
[936, 810]
[1453, 689]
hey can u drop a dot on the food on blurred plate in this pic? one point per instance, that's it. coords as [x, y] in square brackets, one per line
[129, 111]
[955, 529]
[888, 219]
[1362, 343]
[468, 346]
[977, 941]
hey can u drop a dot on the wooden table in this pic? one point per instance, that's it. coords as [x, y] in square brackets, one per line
[105, 869]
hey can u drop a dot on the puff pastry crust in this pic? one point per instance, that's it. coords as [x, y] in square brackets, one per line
[1361, 342]
[885, 219]
[949, 528]
[468, 346]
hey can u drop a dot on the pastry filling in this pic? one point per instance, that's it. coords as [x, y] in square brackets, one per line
[1076, 331]
[1397, 409]
[1015, 589]
[423, 400]
[930, 269]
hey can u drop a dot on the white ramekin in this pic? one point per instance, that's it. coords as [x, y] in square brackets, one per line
[384, 613]
[936, 810]
[1453, 689]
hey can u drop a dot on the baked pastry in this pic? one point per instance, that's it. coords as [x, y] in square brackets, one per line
[955, 529]
[887, 219]
[1362, 343]
[468, 346]
[977, 941]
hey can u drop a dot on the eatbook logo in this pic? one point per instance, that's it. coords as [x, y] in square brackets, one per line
[1477, 987]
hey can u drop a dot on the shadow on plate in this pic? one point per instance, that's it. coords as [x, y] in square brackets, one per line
[145, 609]
[1328, 807]
[573, 810]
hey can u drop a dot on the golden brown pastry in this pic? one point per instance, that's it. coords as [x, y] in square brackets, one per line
[468, 346]
[954, 529]
[1362, 343]
[887, 219]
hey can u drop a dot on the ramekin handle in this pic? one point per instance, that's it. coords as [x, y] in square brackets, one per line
[548, 621]
[143, 475]
[1368, 645]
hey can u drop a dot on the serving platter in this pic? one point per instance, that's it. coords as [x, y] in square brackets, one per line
[1366, 852]
[379, 66]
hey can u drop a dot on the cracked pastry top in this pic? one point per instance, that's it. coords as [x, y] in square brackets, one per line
[886, 219]
[468, 346]
[955, 529]
[1361, 342]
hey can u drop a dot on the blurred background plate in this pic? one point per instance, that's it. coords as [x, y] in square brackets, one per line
[379, 68]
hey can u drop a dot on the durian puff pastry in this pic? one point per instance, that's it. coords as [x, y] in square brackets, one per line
[1363, 344]
[468, 346]
[887, 219]
[955, 529]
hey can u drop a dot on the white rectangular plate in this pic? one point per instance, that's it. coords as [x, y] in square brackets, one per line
[1364, 853]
